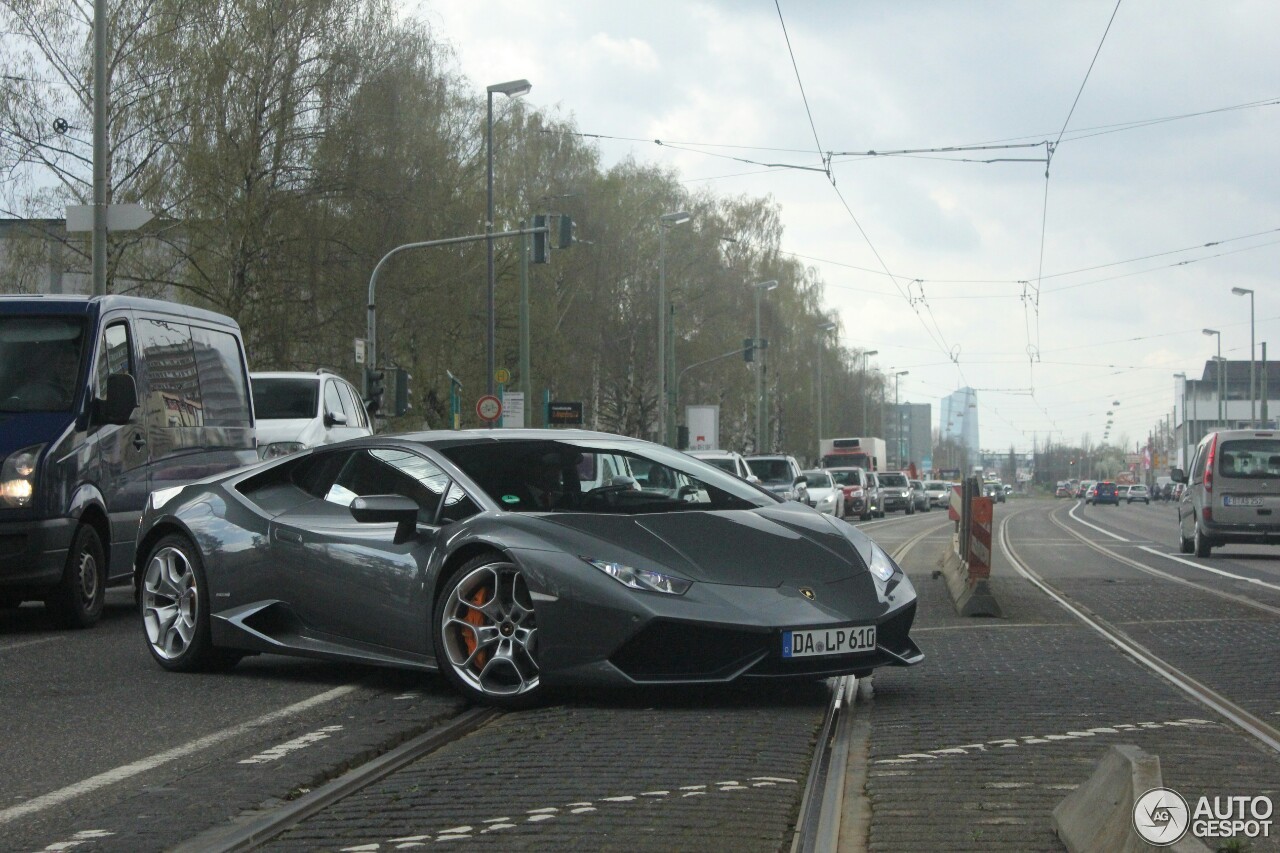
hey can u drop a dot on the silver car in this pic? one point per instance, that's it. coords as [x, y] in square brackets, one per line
[1232, 491]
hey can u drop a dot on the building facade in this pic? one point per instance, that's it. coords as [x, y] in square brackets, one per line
[1222, 400]
[958, 426]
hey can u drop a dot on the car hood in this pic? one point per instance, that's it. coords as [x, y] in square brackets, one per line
[23, 429]
[284, 429]
[763, 547]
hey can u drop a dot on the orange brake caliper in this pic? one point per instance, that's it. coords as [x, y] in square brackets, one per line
[476, 618]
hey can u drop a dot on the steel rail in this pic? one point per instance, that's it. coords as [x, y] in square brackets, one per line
[822, 804]
[1268, 735]
[256, 831]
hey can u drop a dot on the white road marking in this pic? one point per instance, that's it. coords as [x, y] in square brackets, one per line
[913, 757]
[127, 771]
[84, 836]
[460, 833]
[294, 745]
[1205, 568]
[24, 644]
[1072, 513]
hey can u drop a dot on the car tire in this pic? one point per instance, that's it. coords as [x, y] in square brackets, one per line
[1185, 544]
[175, 599]
[1202, 545]
[498, 667]
[78, 599]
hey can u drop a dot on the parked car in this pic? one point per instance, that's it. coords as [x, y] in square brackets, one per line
[478, 553]
[874, 496]
[895, 492]
[300, 410]
[939, 492]
[919, 495]
[781, 475]
[1138, 492]
[104, 399]
[824, 495]
[1232, 491]
[853, 482]
[726, 460]
[1106, 492]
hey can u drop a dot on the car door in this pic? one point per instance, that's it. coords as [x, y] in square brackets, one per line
[351, 579]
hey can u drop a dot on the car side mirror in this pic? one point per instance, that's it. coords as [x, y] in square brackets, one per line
[1178, 475]
[381, 509]
[122, 399]
[335, 419]
[800, 480]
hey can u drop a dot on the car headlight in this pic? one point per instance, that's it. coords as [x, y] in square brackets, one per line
[18, 477]
[280, 448]
[641, 579]
[881, 566]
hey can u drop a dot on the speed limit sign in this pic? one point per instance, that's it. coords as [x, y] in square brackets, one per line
[489, 408]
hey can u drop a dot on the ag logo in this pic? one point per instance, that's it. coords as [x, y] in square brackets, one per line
[1161, 817]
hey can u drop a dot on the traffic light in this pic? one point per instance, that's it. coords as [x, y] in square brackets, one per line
[400, 404]
[374, 388]
[566, 232]
[541, 241]
[748, 349]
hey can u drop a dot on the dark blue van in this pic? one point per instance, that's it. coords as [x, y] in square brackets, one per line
[102, 400]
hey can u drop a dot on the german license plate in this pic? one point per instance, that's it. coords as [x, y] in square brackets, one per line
[828, 641]
[1228, 500]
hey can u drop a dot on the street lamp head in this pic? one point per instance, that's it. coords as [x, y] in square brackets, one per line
[1241, 291]
[827, 326]
[1212, 332]
[870, 353]
[678, 218]
[512, 88]
[902, 373]
[766, 285]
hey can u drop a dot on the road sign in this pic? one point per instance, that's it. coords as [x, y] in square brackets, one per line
[564, 413]
[120, 217]
[489, 408]
[512, 409]
[502, 376]
[359, 350]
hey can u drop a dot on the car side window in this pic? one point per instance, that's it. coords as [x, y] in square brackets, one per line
[332, 402]
[115, 356]
[349, 406]
[390, 472]
[457, 505]
[1197, 465]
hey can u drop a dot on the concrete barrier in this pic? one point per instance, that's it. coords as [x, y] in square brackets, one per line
[1098, 816]
[971, 594]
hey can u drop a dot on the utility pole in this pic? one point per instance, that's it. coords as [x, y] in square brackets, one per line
[99, 147]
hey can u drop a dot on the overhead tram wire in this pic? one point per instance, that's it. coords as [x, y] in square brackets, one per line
[1044, 214]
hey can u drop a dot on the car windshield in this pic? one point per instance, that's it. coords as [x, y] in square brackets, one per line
[283, 398]
[721, 462]
[1250, 458]
[897, 481]
[817, 479]
[39, 362]
[771, 471]
[600, 476]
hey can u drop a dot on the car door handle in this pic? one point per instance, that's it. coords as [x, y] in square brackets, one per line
[289, 536]
[138, 441]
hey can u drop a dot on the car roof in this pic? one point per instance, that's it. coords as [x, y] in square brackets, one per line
[65, 303]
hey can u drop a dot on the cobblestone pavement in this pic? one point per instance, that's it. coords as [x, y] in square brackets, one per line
[694, 770]
[974, 748]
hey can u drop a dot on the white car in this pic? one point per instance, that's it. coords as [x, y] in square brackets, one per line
[295, 411]
[824, 495]
[726, 460]
[939, 492]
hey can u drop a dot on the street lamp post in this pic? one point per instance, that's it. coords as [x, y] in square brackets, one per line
[512, 89]
[1186, 427]
[665, 221]
[823, 328]
[1253, 395]
[1218, 359]
[897, 416]
[866, 354]
[760, 288]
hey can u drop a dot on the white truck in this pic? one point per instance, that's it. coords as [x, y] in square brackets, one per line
[860, 452]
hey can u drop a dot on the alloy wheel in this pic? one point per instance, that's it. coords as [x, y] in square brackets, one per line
[170, 603]
[489, 631]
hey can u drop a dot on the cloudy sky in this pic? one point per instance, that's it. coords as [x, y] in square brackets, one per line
[1051, 297]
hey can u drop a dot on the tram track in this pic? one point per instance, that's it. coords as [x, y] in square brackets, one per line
[1251, 724]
